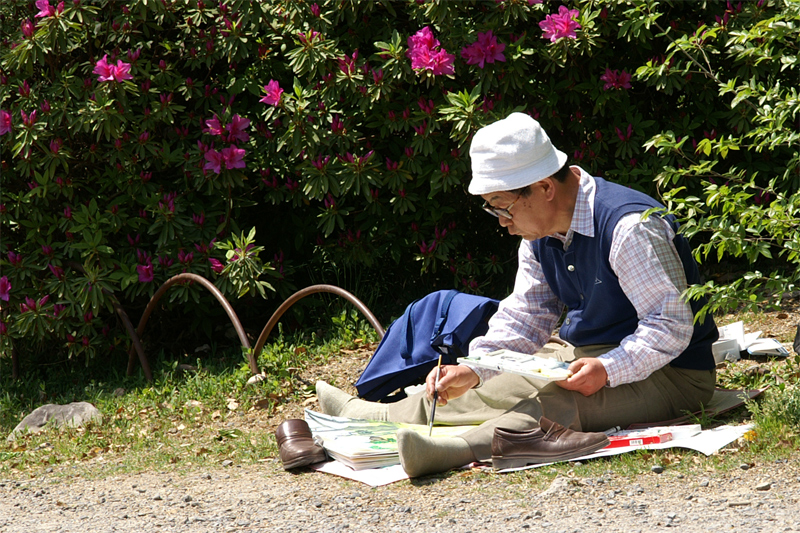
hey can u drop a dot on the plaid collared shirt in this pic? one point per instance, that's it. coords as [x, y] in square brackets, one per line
[650, 273]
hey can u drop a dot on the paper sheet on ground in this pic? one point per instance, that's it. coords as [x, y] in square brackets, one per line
[705, 442]
[374, 477]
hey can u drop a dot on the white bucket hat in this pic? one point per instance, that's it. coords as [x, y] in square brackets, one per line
[512, 153]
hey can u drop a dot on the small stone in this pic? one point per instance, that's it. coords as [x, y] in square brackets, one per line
[157, 497]
[257, 378]
[227, 462]
[704, 483]
[764, 486]
[744, 466]
[187, 498]
[656, 469]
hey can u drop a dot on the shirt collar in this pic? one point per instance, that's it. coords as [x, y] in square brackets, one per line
[583, 214]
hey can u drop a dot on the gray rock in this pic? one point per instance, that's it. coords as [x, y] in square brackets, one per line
[75, 414]
[559, 485]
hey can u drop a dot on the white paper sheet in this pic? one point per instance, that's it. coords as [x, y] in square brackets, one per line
[689, 436]
[705, 442]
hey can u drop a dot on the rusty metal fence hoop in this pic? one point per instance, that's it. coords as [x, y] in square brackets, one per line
[186, 276]
[302, 293]
[251, 354]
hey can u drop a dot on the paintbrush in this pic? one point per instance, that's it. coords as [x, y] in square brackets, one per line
[435, 395]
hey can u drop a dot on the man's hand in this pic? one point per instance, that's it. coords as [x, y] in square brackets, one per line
[588, 376]
[454, 381]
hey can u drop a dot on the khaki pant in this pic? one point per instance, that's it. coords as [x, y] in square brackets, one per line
[516, 402]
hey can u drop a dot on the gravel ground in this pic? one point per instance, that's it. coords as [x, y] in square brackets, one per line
[758, 497]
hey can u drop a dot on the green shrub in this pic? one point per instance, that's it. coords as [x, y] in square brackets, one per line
[145, 133]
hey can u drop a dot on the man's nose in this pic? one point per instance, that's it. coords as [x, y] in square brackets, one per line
[504, 221]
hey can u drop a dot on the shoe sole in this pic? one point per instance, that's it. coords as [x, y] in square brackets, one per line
[303, 461]
[501, 463]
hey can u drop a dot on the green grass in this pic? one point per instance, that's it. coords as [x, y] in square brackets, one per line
[199, 417]
[206, 416]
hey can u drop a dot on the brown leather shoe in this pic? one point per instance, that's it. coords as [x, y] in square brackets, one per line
[548, 443]
[297, 446]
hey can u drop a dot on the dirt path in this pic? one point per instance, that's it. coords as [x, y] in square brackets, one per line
[762, 497]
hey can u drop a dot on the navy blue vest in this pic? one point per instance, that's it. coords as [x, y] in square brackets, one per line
[598, 311]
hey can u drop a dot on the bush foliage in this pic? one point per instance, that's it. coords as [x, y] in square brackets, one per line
[254, 142]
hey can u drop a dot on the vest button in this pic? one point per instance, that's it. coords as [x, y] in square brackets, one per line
[571, 268]
[567, 321]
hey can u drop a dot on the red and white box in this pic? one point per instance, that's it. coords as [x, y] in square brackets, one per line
[639, 437]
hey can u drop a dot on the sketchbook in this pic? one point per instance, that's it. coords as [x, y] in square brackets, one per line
[362, 444]
[519, 363]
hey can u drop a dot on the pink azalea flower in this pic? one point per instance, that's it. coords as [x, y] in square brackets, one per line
[216, 265]
[103, 69]
[624, 80]
[236, 128]
[213, 126]
[485, 50]
[213, 161]
[185, 258]
[233, 157]
[27, 28]
[442, 63]
[57, 271]
[28, 120]
[614, 79]
[424, 55]
[122, 71]
[45, 9]
[5, 122]
[423, 39]
[108, 72]
[563, 24]
[145, 272]
[5, 288]
[274, 92]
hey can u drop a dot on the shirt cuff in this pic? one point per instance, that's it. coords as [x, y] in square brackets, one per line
[609, 365]
[482, 373]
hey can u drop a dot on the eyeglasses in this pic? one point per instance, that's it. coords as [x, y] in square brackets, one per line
[500, 211]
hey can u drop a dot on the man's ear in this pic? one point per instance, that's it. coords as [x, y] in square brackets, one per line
[548, 188]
